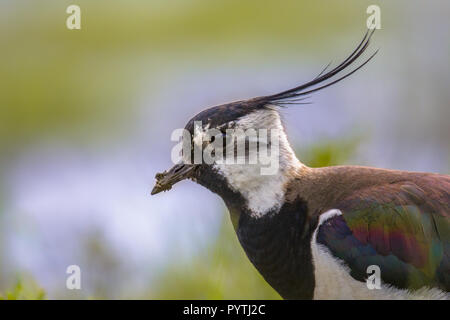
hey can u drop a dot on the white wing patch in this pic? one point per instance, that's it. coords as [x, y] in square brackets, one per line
[333, 280]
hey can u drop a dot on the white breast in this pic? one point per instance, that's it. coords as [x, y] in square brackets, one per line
[333, 280]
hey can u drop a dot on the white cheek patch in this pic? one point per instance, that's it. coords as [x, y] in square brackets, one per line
[263, 192]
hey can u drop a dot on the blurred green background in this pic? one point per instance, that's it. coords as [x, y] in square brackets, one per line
[86, 117]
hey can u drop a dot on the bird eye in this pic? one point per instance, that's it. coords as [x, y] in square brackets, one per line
[222, 135]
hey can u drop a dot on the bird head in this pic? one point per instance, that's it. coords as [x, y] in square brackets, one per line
[228, 141]
[240, 149]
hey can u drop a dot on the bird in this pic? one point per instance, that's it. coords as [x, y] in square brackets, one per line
[315, 233]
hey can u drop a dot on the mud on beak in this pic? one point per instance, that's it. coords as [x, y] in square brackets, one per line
[166, 179]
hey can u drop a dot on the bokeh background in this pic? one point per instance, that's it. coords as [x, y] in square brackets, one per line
[86, 117]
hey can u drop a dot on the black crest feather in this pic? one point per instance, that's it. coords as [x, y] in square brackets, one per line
[299, 94]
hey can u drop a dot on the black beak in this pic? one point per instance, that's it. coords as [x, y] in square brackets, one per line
[165, 180]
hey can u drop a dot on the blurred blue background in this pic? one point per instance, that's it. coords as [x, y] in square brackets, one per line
[86, 117]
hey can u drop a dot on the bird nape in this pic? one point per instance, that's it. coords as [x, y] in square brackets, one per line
[315, 233]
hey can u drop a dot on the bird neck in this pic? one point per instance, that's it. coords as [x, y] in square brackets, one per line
[262, 189]
[278, 245]
[277, 242]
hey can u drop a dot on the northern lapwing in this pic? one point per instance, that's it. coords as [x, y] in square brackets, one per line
[313, 233]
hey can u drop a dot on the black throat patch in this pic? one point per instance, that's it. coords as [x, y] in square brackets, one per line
[278, 245]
